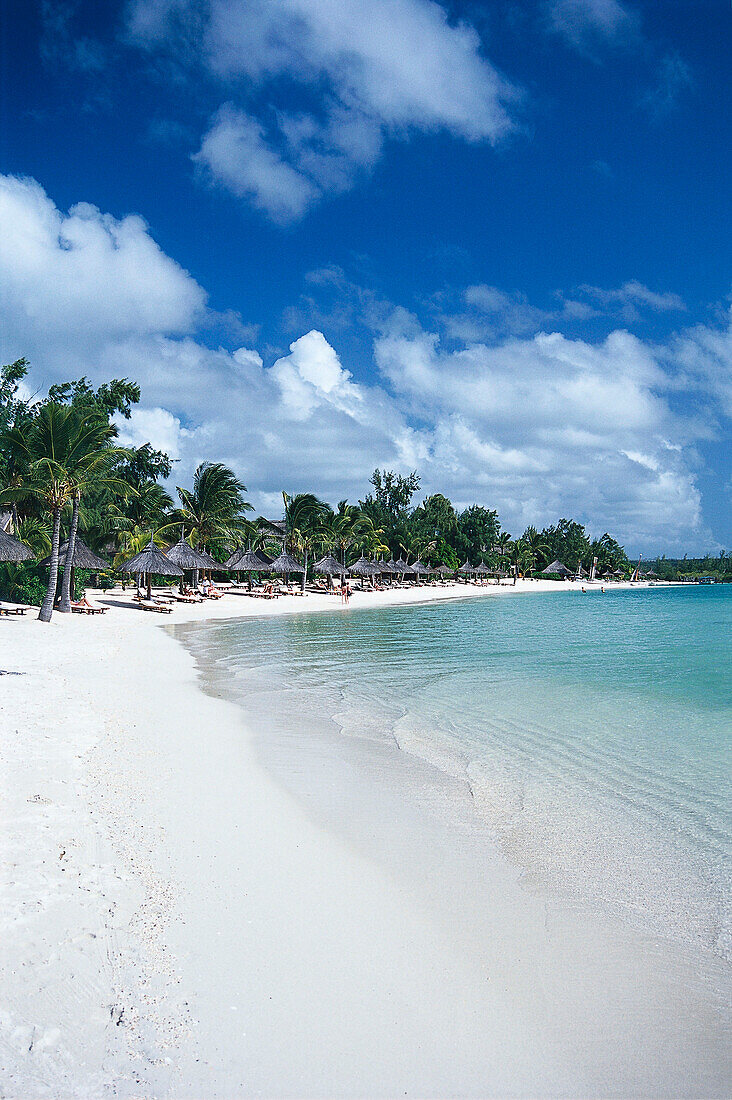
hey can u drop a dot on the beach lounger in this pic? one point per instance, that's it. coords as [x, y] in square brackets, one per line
[12, 608]
[85, 606]
[151, 605]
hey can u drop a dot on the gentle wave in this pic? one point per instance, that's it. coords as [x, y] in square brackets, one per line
[594, 733]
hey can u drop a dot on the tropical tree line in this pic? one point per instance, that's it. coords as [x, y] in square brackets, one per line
[64, 476]
[716, 566]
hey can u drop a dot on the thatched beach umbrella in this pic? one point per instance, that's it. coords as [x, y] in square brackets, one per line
[12, 549]
[329, 567]
[400, 566]
[83, 559]
[249, 561]
[151, 560]
[211, 563]
[466, 569]
[285, 563]
[444, 570]
[189, 560]
[557, 567]
[233, 557]
[362, 568]
[482, 569]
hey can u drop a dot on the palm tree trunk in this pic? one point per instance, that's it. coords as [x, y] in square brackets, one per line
[47, 606]
[305, 574]
[65, 604]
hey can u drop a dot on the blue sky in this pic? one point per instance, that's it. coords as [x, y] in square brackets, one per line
[487, 241]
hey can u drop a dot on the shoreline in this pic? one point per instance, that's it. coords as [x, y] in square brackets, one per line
[163, 887]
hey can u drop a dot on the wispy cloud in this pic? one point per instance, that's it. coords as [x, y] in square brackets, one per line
[373, 71]
[591, 26]
[673, 80]
[633, 294]
[61, 41]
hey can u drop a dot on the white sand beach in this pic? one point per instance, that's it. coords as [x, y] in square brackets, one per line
[174, 923]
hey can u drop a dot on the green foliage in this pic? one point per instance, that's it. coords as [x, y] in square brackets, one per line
[23, 583]
[117, 396]
[212, 512]
[717, 566]
[58, 455]
[478, 534]
[391, 498]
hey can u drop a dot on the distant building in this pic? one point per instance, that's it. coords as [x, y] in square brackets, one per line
[277, 528]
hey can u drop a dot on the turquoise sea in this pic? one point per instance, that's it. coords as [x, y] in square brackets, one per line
[592, 731]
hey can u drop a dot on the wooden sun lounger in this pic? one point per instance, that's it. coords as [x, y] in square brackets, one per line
[12, 608]
[151, 605]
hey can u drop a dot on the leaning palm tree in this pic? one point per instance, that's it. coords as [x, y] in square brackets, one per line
[213, 510]
[45, 444]
[89, 468]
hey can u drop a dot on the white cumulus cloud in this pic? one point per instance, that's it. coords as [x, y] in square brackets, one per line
[536, 425]
[107, 274]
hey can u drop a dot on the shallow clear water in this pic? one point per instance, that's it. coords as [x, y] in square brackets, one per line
[593, 731]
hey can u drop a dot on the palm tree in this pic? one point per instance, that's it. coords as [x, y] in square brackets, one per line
[88, 467]
[502, 546]
[524, 557]
[343, 527]
[305, 515]
[368, 538]
[418, 546]
[45, 444]
[213, 510]
[538, 545]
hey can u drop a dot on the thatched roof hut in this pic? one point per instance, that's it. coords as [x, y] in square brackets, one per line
[400, 566]
[466, 568]
[482, 568]
[249, 561]
[363, 568]
[151, 560]
[232, 558]
[184, 556]
[12, 549]
[444, 570]
[285, 563]
[83, 557]
[557, 567]
[329, 566]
